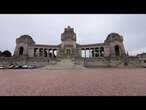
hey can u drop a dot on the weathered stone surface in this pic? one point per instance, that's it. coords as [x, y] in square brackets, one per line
[111, 53]
[68, 47]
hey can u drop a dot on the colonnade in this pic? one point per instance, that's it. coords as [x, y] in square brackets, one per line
[45, 52]
[92, 52]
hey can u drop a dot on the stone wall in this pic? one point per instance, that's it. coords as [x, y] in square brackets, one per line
[23, 60]
[88, 62]
[96, 62]
[134, 62]
[112, 62]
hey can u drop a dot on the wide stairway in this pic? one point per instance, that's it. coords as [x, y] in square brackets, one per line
[64, 64]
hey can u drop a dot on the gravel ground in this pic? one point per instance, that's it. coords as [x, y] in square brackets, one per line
[88, 82]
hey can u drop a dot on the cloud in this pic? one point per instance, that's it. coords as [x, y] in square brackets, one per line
[90, 28]
[138, 51]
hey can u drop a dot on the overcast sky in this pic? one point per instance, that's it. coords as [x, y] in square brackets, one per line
[90, 28]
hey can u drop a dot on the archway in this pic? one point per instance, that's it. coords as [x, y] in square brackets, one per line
[96, 52]
[21, 51]
[102, 51]
[50, 53]
[68, 52]
[117, 50]
[55, 53]
[45, 52]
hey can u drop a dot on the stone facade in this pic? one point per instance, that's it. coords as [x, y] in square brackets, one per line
[112, 46]
[110, 53]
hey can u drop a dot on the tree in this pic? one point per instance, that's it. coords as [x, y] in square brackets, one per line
[0, 53]
[6, 53]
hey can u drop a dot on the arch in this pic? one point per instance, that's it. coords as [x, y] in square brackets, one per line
[68, 52]
[50, 53]
[102, 51]
[21, 50]
[35, 52]
[45, 52]
[117, 50]
[40, 52]
[97, 52]
[87, 52]
[82, 52]
[102, 48]
[55, 53]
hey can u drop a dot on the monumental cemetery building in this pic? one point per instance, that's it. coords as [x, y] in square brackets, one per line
[110, 53]
[69, 48]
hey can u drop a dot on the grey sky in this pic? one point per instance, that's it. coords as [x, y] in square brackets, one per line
[47, 28]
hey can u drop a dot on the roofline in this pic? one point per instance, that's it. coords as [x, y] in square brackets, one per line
[86, 45]
[43, 45]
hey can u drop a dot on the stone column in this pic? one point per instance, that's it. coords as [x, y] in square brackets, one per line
[56, 52]
[85, 53]
[52, 53]
[35, 52]
[45, 52]
[99, 51]
[89, 52]
[82, 50]
[48, 52]
[80, 53]
[94, 52]
[40, 52]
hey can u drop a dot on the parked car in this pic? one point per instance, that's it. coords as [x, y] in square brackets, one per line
[2, 67]
[32, 66]
[11, 66]
[20, 67]
[25, 66]
[16, 67]
[29, 66]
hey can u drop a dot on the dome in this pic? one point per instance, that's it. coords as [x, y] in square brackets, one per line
[114, 37]
[25, 39]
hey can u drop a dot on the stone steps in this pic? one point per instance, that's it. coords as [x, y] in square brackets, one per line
[64, 64]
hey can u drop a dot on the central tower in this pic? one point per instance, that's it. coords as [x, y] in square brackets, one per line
[68, 43]
[68, 38]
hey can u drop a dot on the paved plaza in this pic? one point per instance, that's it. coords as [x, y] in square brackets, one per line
[79, 82]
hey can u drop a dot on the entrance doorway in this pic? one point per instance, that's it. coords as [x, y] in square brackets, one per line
[117, 50]
[68, 53]
[21, 51]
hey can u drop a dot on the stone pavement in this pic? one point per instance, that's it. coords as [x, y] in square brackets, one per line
[71, 82]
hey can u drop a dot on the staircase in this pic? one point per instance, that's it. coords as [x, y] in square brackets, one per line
[64, 64]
